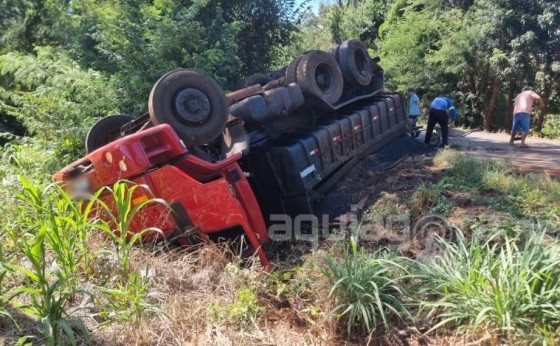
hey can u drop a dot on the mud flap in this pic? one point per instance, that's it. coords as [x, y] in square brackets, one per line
[186, 234]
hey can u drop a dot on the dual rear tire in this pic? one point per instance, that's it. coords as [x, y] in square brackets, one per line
[318, 74]
[326, 76]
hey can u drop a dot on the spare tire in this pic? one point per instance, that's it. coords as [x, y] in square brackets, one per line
[318, 74]
[257, 78]
[105, 131]
[355, 63]
[191, 102]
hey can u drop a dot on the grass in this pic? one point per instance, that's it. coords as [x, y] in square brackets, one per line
[501, 289]
[365, 289]
[530, 195]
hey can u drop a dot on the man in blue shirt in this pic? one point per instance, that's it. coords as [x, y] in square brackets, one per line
[441, 110]
[414, 109]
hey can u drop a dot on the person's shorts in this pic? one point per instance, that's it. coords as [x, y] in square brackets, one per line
[522, 120]
[413, 117]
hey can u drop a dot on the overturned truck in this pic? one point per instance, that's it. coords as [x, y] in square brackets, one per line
[226, 163]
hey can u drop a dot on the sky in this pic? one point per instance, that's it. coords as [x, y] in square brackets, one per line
[315, 4]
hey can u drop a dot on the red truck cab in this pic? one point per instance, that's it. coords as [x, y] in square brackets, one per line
[204, 199]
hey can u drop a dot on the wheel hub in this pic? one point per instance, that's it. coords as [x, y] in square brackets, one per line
[361, 62]
[323, 77]
[192, 106]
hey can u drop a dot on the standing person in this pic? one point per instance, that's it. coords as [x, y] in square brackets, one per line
[414, 109]
[522, 113]
[441, 110]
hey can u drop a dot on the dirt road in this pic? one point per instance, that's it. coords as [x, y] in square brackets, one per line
[543, 155]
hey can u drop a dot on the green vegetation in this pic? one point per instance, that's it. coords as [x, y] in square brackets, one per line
[481, 52]
[365, 287]
[495, 287]
[503, 288]
[530, 195]
[48, 262]
[244, 311]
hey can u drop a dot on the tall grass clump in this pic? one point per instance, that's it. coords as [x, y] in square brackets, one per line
[365, 288]
[496, 287]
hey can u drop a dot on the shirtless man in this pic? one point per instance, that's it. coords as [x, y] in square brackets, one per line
[522, 113]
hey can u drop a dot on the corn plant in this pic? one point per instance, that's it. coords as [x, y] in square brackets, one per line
[46, 225]
[128, 294]
[365, 288]
[498, 287]
[119, 214]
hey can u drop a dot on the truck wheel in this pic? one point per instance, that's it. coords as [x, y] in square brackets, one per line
[192, 103]
[257, 78]
[291, 70]
[355, 63]
[105, 131]
[318, 74]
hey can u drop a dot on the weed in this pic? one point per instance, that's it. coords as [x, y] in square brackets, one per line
[365, 289]
[443, 207]
[386, 205]
[129, 300]
[424, 198]
[244, 311]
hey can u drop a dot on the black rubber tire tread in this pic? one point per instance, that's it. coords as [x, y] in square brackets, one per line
[334, 52]
[346, 59]
[306, 75]
[160, 105]
[291, 70]
[257, 78]
[105, 131]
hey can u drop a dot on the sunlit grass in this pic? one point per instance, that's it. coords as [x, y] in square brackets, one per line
[497, 287]
[365, 289]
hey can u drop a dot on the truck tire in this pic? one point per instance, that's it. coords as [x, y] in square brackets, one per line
[291, 70]
[355, 63]
[257, 78]
[105, 131]
[192, 103]
[318, 73]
